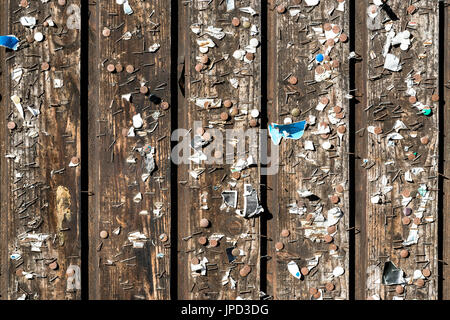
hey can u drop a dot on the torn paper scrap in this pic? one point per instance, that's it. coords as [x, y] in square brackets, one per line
[288, 131]
[10, 42]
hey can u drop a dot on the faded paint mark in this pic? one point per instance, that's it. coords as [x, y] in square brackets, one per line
[62, 209]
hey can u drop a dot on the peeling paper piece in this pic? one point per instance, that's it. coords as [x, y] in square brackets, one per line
[392, 63]
[230, 5]
[251, 203]
[29, 22]
[392, 275]
[10, 42]
[288, 131]
[248, 10]
[138, 239]
[294, 270]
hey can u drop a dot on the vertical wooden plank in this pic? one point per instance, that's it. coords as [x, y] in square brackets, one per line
[398, 151]
[360, 123]
[201, 198]
[446, 155]
[308, 198]
[40, 170]
[129, 166]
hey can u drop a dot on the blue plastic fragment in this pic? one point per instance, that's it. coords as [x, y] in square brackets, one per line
[10, 42]
[288, 131]
[319, 57]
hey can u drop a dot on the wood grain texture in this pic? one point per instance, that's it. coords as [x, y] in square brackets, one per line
[387, 159]
[40, 191]
[296, 40]
[446, 157]
[118, 267]
[194, 194]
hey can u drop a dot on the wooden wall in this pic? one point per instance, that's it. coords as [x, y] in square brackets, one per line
[95, 206]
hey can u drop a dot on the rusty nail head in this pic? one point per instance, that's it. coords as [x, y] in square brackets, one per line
[119, 67]
[204, 59]
[281, 8]
[339, 187]
[235, 22]
[343, 37]
[435, 98]
[332, 247]
[412, 99]
[250, 56]
[317, 295]
[236, 252]
[106, 32]
[75, 160]
[424, 140]
[411, 156]
[62, 2]
[236, 175]
[411, 9]
[224, 116]
[331, 229]
[328, 238]
[213, 243]
[406, 193]
[103, 234]
[324, 100]
[53, 265]
[234, 111]
[199, 67]
[143, 89]
[279, 245]
[253, 122]
[417, 221]
[334, 199]
[337, 109]
[304, 271]
[129, 68]
[329, 286]
[404, 253]
[426, 272]
[227, 103]
[245, 270]
[163, 237]
[313, 291]
[45, 66]
[218, 154]
[204, 223]
[406, 221]
[399, 289]
[285, 233]
[11, 125]
[195, 260]
[111, 68]
[202, 240]
[293, 80]
[327, 26]
[341, 129]
[378, 130]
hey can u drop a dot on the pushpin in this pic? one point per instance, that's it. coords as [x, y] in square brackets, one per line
[38, 36]
[319, 57]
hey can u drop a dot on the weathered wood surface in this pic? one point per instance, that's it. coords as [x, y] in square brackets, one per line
[124, 201]
[388, 159]
[445, 108]
[40, 190]
[201, 198]
[299, 38]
